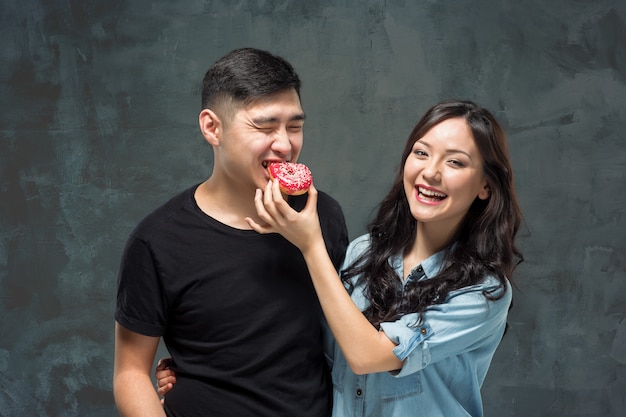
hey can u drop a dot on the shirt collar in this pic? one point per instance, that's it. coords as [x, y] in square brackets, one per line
[429, 266]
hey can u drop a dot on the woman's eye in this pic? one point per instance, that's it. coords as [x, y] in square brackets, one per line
[457, 164]
[419, 152]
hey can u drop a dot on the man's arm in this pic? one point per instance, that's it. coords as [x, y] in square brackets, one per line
[134, 393]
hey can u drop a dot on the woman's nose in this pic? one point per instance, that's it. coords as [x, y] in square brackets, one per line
[432, 171]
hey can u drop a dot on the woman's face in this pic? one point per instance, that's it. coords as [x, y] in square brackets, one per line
[443, 174]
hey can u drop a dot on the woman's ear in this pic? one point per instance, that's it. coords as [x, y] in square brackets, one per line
[485, 192]
[211, 126]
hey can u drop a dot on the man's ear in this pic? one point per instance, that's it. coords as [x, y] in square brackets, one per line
[485, 192]
[211, 126]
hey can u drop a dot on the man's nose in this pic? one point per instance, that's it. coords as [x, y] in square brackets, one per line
[281, 143]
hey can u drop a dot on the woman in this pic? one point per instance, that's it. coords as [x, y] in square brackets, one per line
[428, 286]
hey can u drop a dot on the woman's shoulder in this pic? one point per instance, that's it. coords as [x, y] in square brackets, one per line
[359, 244]
[356, 248]
[489, 287]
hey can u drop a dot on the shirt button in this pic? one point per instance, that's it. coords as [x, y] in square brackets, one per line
[423, 330]
[359, 392]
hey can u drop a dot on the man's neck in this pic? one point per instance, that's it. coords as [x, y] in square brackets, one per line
[225, 204]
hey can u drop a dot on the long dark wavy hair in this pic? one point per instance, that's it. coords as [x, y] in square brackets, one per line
[484, 242]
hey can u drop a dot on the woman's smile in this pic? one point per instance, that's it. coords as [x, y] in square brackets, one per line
[429, 195]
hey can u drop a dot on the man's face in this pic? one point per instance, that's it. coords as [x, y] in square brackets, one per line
[268, 130]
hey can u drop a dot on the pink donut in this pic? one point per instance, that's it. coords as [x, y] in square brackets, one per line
[293, 178]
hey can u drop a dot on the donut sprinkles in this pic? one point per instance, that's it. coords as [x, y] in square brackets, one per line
[293, 178]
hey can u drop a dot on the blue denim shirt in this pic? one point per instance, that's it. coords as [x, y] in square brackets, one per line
[446, 357]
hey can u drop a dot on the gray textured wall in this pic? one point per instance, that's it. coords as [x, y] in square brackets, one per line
[98, 125]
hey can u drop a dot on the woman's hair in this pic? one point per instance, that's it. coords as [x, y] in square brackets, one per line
[483, 244]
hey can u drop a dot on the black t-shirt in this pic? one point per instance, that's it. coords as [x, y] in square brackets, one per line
[236, 309]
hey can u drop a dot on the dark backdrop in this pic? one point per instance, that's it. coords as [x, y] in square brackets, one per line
[98, 125]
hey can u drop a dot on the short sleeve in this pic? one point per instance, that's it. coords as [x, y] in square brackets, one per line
[139, 305]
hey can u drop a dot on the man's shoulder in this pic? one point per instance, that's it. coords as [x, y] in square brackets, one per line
[163, 213]
[325, 203]
[331, 214]
[332, 222]
[325, 200]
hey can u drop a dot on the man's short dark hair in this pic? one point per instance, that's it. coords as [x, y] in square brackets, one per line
[245, 75]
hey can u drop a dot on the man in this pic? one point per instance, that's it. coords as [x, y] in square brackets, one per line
[236, 309]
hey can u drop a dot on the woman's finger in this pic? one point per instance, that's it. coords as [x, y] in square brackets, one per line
[276, 205]
[269, 198]
[311, 202]
[259, 204]
[164, 389]
[261, 213]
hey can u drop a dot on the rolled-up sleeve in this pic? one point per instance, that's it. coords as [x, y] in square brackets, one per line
[466, 321]
[411, 349]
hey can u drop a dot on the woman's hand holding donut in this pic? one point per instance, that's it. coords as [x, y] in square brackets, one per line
[300, 228]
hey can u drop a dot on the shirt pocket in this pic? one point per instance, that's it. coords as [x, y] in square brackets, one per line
[393, 388]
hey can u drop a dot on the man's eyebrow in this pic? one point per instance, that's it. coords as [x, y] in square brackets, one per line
[267, 120]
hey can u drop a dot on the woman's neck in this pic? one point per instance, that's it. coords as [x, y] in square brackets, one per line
[429, 240]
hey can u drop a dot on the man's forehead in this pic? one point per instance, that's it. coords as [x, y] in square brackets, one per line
[273, 111]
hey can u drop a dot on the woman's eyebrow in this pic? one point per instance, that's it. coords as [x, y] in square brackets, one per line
[448, 151]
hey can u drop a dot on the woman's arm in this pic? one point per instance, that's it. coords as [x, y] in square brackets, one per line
[366, 349]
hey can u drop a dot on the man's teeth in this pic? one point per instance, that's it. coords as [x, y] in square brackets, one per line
[431, 193]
